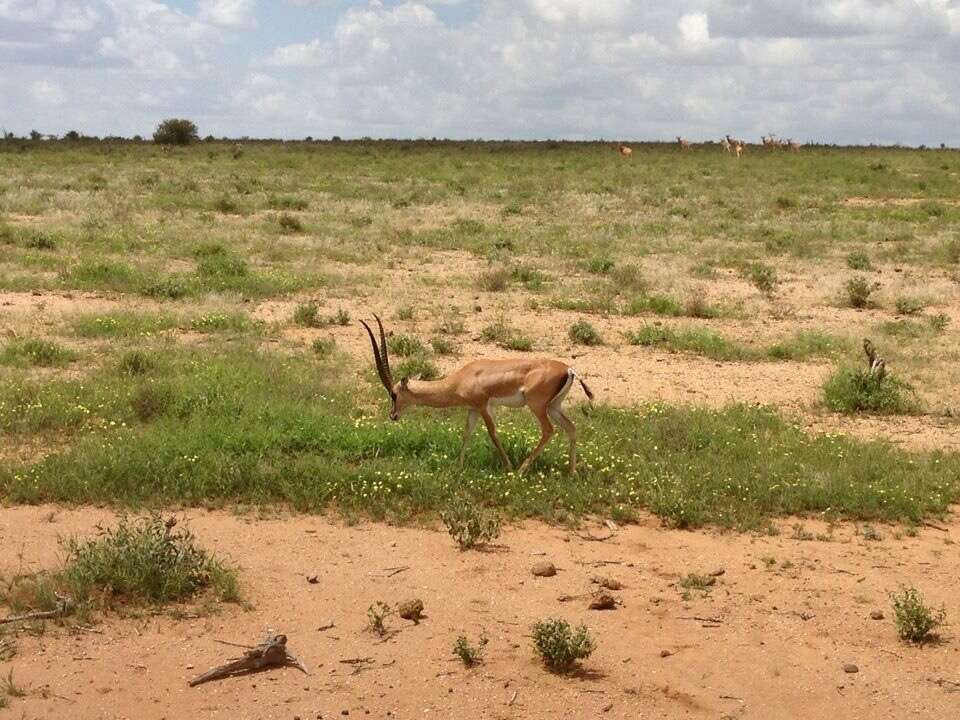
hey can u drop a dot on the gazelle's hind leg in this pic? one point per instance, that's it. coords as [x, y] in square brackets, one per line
[557, 415]
[546, 432]
[472, 417]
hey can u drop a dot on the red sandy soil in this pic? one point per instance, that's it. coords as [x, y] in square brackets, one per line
[770, 640]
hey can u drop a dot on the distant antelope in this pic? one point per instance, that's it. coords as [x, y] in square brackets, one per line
[481, 385]
[684, 144]
[738, 148]
[793, 145]
[624, 150]
[725, 144]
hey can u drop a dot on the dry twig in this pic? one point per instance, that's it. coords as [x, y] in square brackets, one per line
[272, 652]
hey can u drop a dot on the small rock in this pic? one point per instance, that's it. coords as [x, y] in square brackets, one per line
[850, 668]
[411, 610]
[665, 653]
[603, 601]
[607, 582]
[313, 579]
[876, 615]
[718, 572]
[189, 667]
[608, 707]
[544, 568]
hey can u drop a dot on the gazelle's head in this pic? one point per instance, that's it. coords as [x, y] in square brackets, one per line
[400, 395]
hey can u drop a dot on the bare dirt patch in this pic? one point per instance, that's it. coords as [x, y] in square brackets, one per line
[768, 638]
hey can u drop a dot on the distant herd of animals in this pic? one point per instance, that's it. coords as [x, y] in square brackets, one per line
[731, 145]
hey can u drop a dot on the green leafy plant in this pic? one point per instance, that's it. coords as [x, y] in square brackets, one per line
[468, 653]
[583, 333]
[175, 131]
[915, 620]
[469, 524]
[377, 615]
[854, 390]
[559, 646]
[907, 305]
[859, 260]
[859, 290]
[763, 277]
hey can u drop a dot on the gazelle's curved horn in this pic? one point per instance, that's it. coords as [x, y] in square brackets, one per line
[382, 370]
[383, 350]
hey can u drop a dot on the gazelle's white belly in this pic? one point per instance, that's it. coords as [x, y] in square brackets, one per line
[516, 400]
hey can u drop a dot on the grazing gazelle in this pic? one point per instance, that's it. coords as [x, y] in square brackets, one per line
[738, 148]
[624, 150]
[684, 144]
[725, 144]
[479, 386]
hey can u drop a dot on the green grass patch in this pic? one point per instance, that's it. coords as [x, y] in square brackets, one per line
[689, 340]
[506, 336]
[35, 352]
[123, 324]
[258, 429]
[856, 390]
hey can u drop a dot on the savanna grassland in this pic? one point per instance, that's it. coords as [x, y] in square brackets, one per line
[180, 333]
[180, 325]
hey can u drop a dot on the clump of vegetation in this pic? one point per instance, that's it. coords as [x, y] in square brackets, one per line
[693, 581]
[324, 347]
[220, 322]
[222, 266]
[175, 131]
[908, 305]
[137, 362]
[859, 290]
[531, 278]
[601, 264]
[469, 524]
[341, 317]
[915, 620]
[855, 390]
[420, 367]
[377, 615]
[805, 344]
[468, 653]
[692, 340]
[443, 346]
[939, 322]
[951, 251]
[506, 336]
[35, 352]
[307, 315]
[859, 260]
[406, 312]
[494, 280]
[172, 287]
[763, 277]
[559, 646]
[405, 345]
[583, 333]
[225, 205]
[451, 325]
[288, 202]
[289, 223]
[39, 240]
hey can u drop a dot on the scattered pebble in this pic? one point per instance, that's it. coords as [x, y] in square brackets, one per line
[603, 601]
[850, 668]
[666, 653]
[313, 579]
[607, 582]
[544, 568]
[411, 610]
[718, 572]
[876, 615]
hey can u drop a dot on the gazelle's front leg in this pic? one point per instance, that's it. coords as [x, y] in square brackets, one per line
[472, 417]
[491, 428]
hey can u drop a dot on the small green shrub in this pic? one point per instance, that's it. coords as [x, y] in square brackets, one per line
[951, 251]
[222, 265]
[377, 615]
[443, 346]
[172, 287]
[341, 317]
[939, 322]
[225, 205]
[418, 366]
[324, 347]
[559, 646]
[146, 560]
[307, 315]
[451, 325]
[36, 353]
[854, 390]
[915, 620]
[406, 312]
[859, 260]
[470, 524]
[506, 336]
[39, 240]
[289, 223]
[531, 278]
[152, 400]
[763, 277]
[583, 333]
[600, 265]
[220, 322]
[288, 202]
[405, 345]
[859, 290]
[494, 280]
[469, 654]
[907, 305]
[136, 362]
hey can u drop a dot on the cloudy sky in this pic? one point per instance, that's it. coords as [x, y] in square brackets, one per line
[819, 70]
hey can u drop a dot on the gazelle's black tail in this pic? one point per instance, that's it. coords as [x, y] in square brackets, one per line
[586, 390]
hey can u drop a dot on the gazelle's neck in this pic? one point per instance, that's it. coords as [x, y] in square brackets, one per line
[433, 393]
